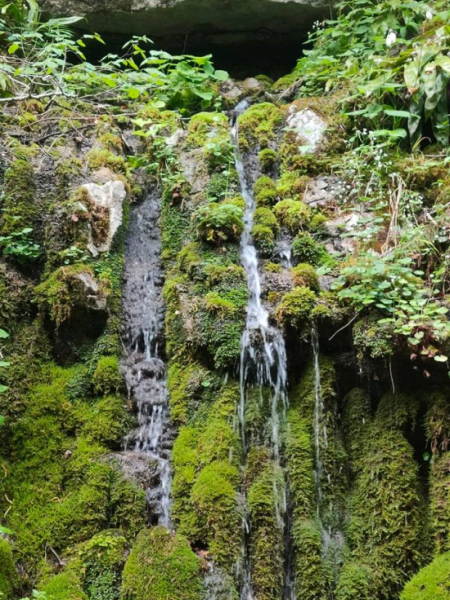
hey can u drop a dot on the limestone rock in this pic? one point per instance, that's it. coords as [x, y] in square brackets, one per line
[308, 126]
[106, 208]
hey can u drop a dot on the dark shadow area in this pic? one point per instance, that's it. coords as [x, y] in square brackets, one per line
[272, 54]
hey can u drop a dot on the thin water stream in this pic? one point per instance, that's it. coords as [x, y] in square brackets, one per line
[263, 362]
[143, 361]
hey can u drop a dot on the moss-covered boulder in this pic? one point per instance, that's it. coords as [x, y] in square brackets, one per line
[161, 566]
[431, 583]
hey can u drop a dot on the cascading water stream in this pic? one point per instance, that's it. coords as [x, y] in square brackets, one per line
[263, 360]
[143, 364]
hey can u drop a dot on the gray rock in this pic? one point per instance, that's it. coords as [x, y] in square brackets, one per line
[308, 126]
[323, 191]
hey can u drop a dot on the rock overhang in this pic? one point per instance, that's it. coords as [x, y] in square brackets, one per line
[265, 29]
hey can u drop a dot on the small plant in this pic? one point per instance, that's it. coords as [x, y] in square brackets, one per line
[219, 222]
[20, 245]
[292, 214]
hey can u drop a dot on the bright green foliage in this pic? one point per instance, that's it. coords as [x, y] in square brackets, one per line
[267, 159]
[305, 249]
[20, 245]
[107, 378]
[210, 131]
[65, 586]
[8, 575]
[431, 583]
[258, 125]
[161, 566]
[40, 50]
[292, 214]
[264, 229]
[219, 222]
[391, 284]
[295, 307]
[394, 62]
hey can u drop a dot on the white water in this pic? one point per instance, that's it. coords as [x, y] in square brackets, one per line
[143, 364]
[263, 362]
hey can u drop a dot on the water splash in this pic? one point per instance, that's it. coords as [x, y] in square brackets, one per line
[263, 362]
[143, 362]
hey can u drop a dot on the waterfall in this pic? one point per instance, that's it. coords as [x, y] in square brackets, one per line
[143, 362]
[263, 361]
[332, 537]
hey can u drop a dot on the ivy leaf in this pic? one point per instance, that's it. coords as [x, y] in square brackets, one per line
[440, 358]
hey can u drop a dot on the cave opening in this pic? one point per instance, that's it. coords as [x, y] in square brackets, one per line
[267, 54]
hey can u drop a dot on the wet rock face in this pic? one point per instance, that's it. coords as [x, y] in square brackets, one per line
[195, 24]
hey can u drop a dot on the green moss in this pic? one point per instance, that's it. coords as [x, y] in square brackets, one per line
[305, 275]
[265, 191]
[372, 338]
[258, 125]
[205, 484]
[219, 222]
[356, 422]
[264, 230]
[292, 214]
[8, 575]
[431, 583]
[386, 509]
[310, 571]
[102, 157]
[355, 583]
[266, 539]
[65, 586]
[106, 421]
[161, 566]
[186, 383]
[107, 378]
[210, 131]
[19, 207]
[440, 501]
[306, 249]
[267, 159]
[62, 291]
[295, 307]
[292, 185]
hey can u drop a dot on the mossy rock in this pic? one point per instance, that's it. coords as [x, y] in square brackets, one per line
[161, 566]
[265, 191]
[305, 275]
[292, 214]
[295, 307]
[259, 124]
[431, 583]
[8, 575]
[305, 249]
[65, 586]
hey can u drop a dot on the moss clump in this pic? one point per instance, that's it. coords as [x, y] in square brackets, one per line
[258, 125]
[310, 571]
[19, 208]
[161, 566]
[187, 382]
[265, 191]
[305, 249]
[217, 223]
[65, 586]
[431, 583]
[305, 275]
[210, 132]
[8, 575]
[267, 159]
[107, 378]
[295, 307]
[292, 214]
[292, 185]
[102, 157]
[265, 229]
[266, 540]
[355, 583]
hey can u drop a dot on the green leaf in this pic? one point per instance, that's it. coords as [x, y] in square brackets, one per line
[4, 364]
[403, 114]
[440, 358]
[133, 93]
[5, 530]
[221, 75]
[13, 48]
[3, 334]
[3, 388]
